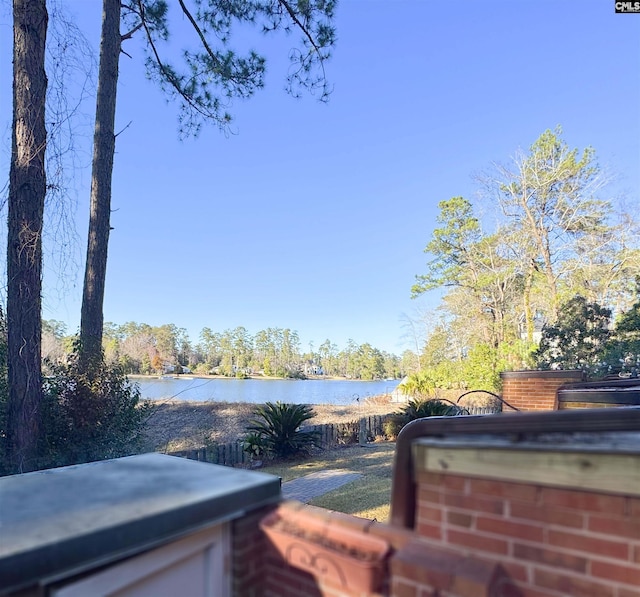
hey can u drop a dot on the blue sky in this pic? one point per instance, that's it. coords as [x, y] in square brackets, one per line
[314, 216]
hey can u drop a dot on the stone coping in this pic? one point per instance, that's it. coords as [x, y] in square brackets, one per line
[603, 462]
[72, 518]
[543, 374]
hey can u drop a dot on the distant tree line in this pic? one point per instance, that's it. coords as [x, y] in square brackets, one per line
[140, 348]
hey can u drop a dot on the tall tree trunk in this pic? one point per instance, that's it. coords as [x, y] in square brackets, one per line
[528, 312]
[91, 322]
[27, 188]
[552, 286]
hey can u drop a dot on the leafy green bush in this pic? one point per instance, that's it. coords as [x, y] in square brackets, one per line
[293, 374]
[582, 338]
[278, 425]
[479, 369]
[253, 445]
[85, 416]
[622, 353]
[392, 426]
[90, 415]
[577, 340]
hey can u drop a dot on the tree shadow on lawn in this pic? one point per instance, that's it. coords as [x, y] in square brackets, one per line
[372, 459]
[369, 497]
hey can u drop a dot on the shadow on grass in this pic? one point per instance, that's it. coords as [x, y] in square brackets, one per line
[368, 497]
[373, 459]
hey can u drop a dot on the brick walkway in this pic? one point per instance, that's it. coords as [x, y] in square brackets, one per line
[313, 485]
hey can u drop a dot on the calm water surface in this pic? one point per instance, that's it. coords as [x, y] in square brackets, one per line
[309, 391]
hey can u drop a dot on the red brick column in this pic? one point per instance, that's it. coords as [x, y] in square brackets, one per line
[535, 390]
[248, 546]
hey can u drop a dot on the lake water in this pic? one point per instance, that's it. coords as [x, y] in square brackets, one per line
[258, 391]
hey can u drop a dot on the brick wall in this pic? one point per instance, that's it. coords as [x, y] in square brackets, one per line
[535, 390]
[413, 567]
[551, 542]
[422, 570]
[248, 545]
[474, 537]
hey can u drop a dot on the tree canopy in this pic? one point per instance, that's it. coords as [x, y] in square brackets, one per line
[556, 236]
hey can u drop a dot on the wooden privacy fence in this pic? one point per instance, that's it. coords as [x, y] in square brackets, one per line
[479, 410]
[362, 431]
[329, 435]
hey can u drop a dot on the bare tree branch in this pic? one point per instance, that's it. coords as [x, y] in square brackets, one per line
[131, 33]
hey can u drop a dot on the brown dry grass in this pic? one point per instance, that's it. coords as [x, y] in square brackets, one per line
[180, 425]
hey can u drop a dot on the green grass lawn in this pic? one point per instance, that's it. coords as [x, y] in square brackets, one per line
[369, 497]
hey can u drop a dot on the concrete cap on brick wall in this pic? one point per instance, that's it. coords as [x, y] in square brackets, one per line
[544, 374]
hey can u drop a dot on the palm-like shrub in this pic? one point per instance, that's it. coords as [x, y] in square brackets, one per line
[419, 385]
[279, 427]
[417, 409]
